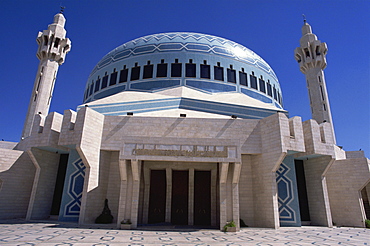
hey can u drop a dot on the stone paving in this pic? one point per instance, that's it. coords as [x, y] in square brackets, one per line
[17, 232]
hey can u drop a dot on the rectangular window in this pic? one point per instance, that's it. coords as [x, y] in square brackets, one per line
[205, 71]
[176, 69]
[91, 88]
[113, 78]
[231, 75]
[275, 95]
[219, 73]
[279, 97]
[190, 70]
[148, 71]
[162, 70]
[135, 73]
[253, 80]
[104, 82]
[269, 89]
[123, 75]
[56, 43]
[243, 78]
[262, 85]
[97, 85]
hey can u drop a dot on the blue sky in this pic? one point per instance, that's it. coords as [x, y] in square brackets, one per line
[272, 29]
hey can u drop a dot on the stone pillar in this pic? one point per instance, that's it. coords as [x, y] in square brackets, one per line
[191, 197]
[213, 197]
[123, 191]
[146, 183]
[168, 194]
[224, 167]
[136, 169]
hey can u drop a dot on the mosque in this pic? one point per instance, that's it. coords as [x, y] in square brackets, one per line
[182, 129]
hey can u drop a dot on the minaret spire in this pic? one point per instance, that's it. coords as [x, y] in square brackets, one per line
[53, 47]
[311, 56]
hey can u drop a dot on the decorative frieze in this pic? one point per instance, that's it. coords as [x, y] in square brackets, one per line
[181, 150]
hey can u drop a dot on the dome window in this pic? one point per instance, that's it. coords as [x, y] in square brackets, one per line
[148, 71]
[205, 70]
[104, 81]
[123, 75]
[269, 88]
[97, 84]
[190, 69]
[219, 72]
[243, 78]
[91, 88]
[162, 69]
[262, 85]
[253, 80]
[176, 69]
[113, 78]
[135, 72]
[231, 75]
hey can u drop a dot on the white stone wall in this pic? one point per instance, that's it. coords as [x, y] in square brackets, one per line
[16, 174]
[46, 164]
[345, 179]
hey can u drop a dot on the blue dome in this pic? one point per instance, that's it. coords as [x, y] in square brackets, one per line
[202, 62]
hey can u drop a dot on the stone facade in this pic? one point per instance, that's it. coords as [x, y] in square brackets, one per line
[266, 171]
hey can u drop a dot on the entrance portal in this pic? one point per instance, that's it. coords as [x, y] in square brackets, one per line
[202, 198]
[157, 196]
[180, 195]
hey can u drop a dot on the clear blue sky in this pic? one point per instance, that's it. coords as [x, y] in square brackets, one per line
[272, 29]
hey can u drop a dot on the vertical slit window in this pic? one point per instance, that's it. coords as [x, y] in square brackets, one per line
[253, 80]
[243, 78]
[97, 85]
[322, 93]
[279, 97]
[231, 75]
[56, 43]
[269, 88]
[113, 78]
[46, 40]
[135, 72]
[91, 88]
[148, 71]
[162, 69]
[275, 95]
[205, 71]
[218, 72]
[123, 75]
[104, 82]
[176, 69]
[190, 69]
[262, 85]
[307, 52]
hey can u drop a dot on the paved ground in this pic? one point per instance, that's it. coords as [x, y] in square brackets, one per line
[18, 232]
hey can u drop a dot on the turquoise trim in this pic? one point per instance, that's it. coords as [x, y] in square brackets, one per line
[183, 103]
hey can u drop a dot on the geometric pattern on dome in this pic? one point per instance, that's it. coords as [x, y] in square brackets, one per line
[185, 41]
[285, 194]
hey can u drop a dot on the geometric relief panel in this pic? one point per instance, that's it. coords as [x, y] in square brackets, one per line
[70, 204]
[74, 189]
[285, 194]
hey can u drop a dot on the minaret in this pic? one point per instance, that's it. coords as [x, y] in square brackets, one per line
[312, 61]
[53, 47]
